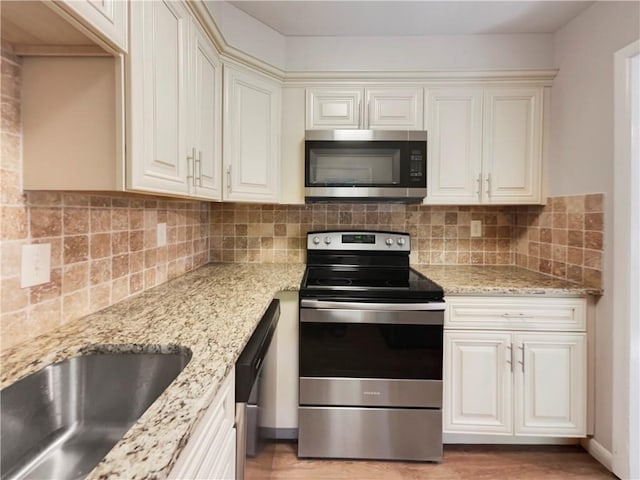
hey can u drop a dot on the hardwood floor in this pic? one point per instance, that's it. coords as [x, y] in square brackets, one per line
[481, 462]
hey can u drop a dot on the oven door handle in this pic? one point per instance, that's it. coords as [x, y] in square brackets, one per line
[385, 307]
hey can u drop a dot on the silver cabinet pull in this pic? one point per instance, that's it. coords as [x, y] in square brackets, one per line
[198, 162]
[510, 361]
[488, 185]
[479, 191]
[521, 362]
[191, 167]
[229, 179]
[516, 315]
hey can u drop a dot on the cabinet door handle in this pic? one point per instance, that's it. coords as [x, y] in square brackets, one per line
[191, 167]
[229, 179]
[510, 361]
[479, 191]
[488, 185]
[521, 362]
[198, 162]
[361, 113]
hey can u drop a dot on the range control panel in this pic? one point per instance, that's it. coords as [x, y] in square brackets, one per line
[352, 240]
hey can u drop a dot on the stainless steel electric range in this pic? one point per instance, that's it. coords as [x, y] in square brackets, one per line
[370, 350]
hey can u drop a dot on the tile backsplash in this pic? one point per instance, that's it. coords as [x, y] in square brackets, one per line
[103, 246]
[440, 235]
[563, 239]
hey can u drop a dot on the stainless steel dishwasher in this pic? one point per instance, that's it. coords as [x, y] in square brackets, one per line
[251, 457]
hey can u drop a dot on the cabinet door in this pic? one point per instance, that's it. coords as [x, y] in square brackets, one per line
[108, 17]
[333, 108]
[477, 382]
[394, 108]
[251, 136]
[454, 124]
[512, 144]
[206, 113]
[550, 384]
[156, 159]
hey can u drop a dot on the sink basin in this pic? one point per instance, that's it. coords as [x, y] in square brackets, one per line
[59, 422]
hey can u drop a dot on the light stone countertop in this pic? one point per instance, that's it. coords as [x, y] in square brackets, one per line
[212, 311]
[500, 280]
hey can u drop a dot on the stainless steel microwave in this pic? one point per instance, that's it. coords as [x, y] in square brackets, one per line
[365, 165]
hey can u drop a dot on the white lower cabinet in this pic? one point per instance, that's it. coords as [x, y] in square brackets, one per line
[515, 382]
[210, 453]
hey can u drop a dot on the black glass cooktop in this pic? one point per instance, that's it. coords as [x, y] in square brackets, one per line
[402, 283]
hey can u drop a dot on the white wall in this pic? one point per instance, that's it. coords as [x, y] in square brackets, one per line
[247, 34]
[581, 151]
[434, 52]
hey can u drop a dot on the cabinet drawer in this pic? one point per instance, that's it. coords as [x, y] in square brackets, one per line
[516, 313]
[214, 426]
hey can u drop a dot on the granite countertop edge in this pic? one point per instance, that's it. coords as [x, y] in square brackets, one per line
[212, 311]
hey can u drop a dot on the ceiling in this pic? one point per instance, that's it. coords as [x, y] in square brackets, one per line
[399, 18]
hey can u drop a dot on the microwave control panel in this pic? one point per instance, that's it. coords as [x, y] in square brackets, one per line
[416, 165]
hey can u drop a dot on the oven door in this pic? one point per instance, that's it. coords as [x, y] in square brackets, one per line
[371, 354]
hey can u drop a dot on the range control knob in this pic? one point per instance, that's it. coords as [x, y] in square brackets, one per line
[327, 240]
[316, 240]
[389, 241]
[401, 241]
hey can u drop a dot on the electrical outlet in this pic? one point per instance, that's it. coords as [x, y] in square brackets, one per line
[36, 265]
[476, 228]
[162, 234]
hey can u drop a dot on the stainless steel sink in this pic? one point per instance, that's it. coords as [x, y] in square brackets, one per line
[59, 422]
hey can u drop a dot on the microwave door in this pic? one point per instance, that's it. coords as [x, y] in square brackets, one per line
[353, 167]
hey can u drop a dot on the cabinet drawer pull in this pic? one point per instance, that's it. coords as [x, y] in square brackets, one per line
[510, 361]
[517, 315]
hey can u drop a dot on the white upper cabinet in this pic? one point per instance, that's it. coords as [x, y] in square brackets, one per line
[175, 104]
[106, 17]
[512, 144]
[329, 108]
[251, 147]
[206, 114]
[454, 146]
[485, 145]
[159, 48]
[394, 109]
[385, 108]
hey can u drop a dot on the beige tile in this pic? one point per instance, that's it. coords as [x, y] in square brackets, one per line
[75, 305]
[47, 291]
[10, 158]
[13, 329]
[44, 317]
[75, 249]
[100, 220]
[99, 297]
[13, 296]
[13, 223]
[100, 245]
[75, 220]
[75, 277]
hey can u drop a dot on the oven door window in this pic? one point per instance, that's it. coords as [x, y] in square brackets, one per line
[363, 350]
[358, 166]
